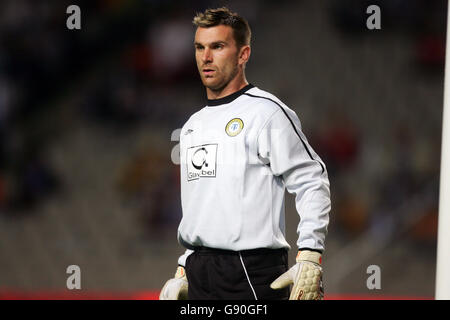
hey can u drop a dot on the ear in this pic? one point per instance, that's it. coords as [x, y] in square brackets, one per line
[244, 54]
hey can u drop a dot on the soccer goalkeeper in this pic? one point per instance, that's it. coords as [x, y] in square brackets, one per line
[238, 155]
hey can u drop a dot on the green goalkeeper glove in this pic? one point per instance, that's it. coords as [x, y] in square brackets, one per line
[305, 275]
[175, 288]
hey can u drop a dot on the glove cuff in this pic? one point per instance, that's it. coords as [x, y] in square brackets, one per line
[180, 272]
[308, 255]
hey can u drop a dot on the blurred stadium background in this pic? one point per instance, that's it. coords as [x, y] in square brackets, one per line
[86, 118]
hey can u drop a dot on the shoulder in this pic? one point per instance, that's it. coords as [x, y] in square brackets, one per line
[264, 98]
[281, 116]
[268, 103]
[193, 117]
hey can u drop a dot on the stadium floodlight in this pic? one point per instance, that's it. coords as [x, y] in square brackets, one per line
[443, 245]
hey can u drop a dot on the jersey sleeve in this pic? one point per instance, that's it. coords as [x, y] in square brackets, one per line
[183, 257]
[284, 148]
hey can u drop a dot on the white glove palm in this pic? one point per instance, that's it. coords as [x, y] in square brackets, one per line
[175, 288]
[305, 275]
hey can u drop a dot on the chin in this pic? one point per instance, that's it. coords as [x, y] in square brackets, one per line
[213, 85]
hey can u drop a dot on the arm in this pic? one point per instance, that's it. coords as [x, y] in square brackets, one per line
[283, 146]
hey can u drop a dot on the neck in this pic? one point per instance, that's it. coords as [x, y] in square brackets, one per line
[234, 85]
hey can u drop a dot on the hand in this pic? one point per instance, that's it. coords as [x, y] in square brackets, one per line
[175, 288]
[305, 275]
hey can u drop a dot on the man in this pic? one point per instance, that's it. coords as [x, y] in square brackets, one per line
[238, 154]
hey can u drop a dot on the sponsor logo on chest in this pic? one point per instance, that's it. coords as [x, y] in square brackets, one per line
[201, 161]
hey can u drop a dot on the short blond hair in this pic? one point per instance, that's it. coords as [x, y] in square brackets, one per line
[223, 16]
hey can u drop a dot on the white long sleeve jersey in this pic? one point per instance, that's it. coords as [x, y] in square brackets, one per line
[238, 155]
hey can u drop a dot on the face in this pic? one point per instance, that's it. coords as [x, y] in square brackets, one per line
[217, 56]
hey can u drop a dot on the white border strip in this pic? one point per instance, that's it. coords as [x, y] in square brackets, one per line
[442, 291]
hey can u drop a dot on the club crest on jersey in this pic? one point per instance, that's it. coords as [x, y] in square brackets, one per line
[234, 127]
[201, 161]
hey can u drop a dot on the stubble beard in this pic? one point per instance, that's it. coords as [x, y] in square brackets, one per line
[218, 87]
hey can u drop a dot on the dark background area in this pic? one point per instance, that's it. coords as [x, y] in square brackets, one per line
[87, 117]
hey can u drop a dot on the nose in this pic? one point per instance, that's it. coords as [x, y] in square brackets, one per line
[207, 56]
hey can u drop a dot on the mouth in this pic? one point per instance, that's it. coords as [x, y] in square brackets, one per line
[208, 71]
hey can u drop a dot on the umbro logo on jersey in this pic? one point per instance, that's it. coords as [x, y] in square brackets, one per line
[188, 131]
[201, 161]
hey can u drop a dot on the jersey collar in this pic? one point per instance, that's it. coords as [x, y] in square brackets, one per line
[229, 98]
